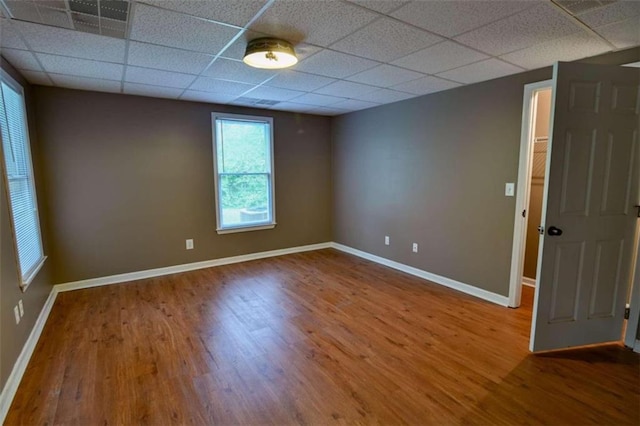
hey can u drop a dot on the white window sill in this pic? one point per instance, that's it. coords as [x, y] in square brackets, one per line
[32, 275]
[246, 228]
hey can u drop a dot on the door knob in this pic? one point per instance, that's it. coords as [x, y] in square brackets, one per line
[554, 232]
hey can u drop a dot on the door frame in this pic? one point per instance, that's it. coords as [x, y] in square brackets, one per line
[523, 188]
[633, 323]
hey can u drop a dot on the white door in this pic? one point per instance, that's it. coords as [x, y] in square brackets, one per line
[589, 216]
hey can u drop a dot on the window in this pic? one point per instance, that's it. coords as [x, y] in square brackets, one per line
[243, 166]
[18, 172]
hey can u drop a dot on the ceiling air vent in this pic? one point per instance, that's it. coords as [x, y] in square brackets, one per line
[257, 102]
[104, 17]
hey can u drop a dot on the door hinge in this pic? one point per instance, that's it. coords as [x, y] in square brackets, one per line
[524, 213]
[638, 207]
[627, 312]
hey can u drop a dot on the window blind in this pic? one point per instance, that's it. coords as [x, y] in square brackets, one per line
[20, 184]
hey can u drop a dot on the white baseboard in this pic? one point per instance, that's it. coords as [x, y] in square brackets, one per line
[447, 282]
[150, 273]
[529, 282]
[10, 388]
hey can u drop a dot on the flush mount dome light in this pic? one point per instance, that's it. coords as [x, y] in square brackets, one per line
[270, 53]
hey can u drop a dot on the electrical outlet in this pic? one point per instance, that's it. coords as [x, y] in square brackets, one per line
[415, 247]
[21, 308]
[386, 240]
[16, 312]
[190, 244]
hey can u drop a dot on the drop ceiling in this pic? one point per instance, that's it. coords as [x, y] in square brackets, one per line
[353, 54]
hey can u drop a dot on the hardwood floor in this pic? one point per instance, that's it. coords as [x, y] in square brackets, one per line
[315, 338]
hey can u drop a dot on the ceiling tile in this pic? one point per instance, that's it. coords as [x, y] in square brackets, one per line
[273, 93]
[578, 6]
[84, 83]
[60, 41]
[21, 59]
[576, 46]
[80, 67]
[9, 37]
[334, 64]
[167, 58]
[317, 100]
[153, 77]
[208, 84]
[215, 98]
[37, 77]
[385, 76]
[535, 25]
[451, 18]
[614, 12]
[381, 6]
[353, 105]
[481, 71]
[425, 85]
[153, 91]
[347, 89]
[385, 40]
[57, 18]
[383, 96]
[441, 57]
[316, 22]
[235, 12]
[622, 34]
[24, 10]
[227, 69]
[289, 79]
[329, 111]
[177, 30]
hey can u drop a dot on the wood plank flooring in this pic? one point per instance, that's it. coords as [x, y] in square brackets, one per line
[317, 338]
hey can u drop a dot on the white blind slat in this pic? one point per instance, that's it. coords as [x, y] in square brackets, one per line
[21, 190]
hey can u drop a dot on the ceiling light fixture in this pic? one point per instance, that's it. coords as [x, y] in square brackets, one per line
[270, 53]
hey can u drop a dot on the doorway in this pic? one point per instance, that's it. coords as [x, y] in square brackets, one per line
[534, 149]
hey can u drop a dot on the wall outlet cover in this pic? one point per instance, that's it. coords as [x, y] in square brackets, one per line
[510, 189]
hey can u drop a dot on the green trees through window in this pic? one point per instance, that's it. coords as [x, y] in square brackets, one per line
[243, 151]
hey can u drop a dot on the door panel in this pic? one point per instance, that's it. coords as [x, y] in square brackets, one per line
[567, 280]
[608, 269]
[590, 192]
[578, 171]
[621, 147]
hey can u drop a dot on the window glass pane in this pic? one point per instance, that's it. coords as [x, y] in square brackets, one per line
[243, 146]
[244, 199]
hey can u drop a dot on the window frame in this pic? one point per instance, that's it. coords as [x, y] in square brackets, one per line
[215, 116]
[25, 277]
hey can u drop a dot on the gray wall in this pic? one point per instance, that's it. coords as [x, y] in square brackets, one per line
[12, 336]
[432, 170]
[129, 178]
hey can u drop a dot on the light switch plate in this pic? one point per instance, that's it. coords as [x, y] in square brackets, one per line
[189, 244]
[510, 189]
[16, 312]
